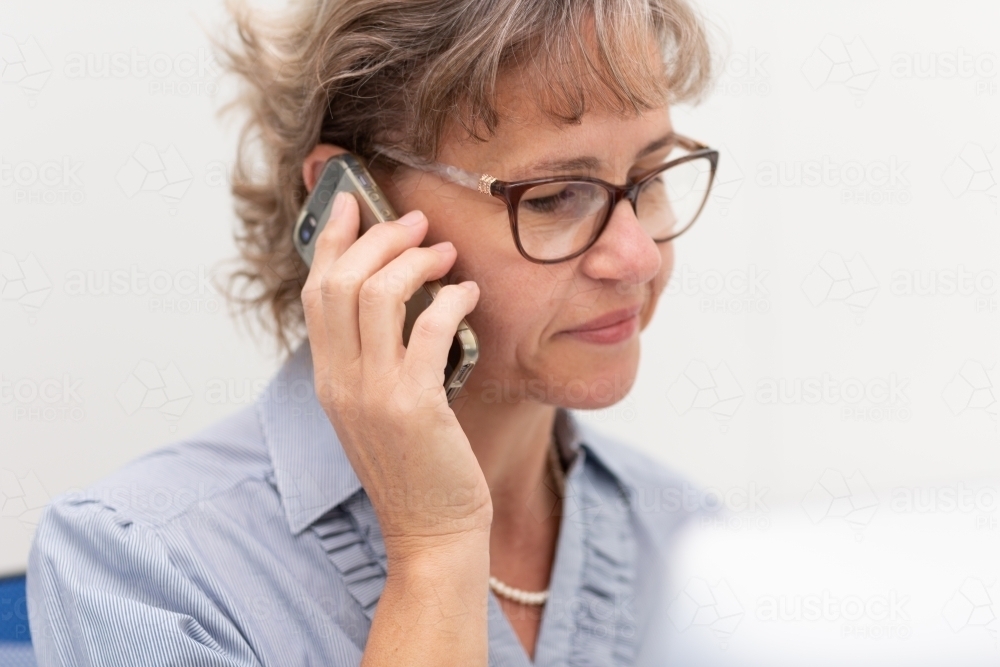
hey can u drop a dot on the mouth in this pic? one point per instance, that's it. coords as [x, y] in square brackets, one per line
[610, 328]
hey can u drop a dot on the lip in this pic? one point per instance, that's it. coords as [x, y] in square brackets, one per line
[609, 328]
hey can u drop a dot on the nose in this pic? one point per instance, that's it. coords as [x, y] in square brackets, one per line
[625, 252]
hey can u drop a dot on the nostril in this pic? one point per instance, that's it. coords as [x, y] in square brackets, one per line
[630, 284]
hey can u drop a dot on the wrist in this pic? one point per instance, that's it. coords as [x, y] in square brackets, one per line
[416, 556]
[436, 595]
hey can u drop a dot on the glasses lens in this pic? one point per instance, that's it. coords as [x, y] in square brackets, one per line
[670, 202]
[555, 220]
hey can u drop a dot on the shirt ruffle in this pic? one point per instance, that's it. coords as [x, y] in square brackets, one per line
[604, 630]
[350, 535]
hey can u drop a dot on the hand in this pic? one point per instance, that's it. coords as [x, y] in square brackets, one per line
[387, 402]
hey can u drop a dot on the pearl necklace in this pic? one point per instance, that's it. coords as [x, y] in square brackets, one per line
[534, 598]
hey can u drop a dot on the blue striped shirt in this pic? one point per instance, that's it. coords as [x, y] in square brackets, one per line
[254, 543]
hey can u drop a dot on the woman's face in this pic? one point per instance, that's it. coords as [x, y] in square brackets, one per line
[527, 311]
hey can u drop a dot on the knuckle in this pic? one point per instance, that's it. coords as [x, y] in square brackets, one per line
[400, 405]
[328, 286]
[330, 394]
[312, 312]
[428, 324]
[338, 283]
[309, 295]
[451, 300]
[382, 234]
[330, 237]
[421, 253]
[372, 292]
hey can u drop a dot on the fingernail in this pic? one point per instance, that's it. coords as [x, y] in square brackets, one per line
[411, 218]
[470, 286]
[338, 205]
[443, 247]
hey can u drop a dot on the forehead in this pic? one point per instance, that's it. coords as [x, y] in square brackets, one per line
[558, 110]
[602, 143]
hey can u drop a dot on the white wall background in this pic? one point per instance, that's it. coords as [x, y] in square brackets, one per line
[853, 241]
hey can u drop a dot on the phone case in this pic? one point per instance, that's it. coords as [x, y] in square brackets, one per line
[346, 173]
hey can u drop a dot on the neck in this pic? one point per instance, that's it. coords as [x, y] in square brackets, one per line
[511, 442]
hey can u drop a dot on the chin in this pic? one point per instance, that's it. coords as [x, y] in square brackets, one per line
[594, 378]
[566, 373]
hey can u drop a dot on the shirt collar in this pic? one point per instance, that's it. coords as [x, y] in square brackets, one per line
[311, 470]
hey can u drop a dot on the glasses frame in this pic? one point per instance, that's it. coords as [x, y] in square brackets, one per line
[511, 192]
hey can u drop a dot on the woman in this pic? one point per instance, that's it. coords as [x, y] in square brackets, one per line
[351, 515]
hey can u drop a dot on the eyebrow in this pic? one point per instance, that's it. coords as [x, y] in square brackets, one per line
[591, 163]
[653, 146]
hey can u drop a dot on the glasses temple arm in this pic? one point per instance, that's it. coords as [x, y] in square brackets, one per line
[448, 172]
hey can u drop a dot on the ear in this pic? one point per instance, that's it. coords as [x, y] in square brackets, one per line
[312, 166]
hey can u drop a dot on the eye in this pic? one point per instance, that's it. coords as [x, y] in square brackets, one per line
[552, 198]
[542, 204]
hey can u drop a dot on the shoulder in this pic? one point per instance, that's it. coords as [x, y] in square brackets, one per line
[158, 486]
[114, 532]
[104, 573]
[660, 498]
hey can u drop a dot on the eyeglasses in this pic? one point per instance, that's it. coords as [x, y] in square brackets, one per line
[556, 219]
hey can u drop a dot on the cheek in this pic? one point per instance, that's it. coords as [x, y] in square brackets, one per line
[512, 300]
[658, 284]
[511, 303]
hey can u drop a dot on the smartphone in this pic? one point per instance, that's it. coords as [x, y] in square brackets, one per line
[346, 173]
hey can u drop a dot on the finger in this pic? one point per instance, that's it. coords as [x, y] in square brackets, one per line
[322, 295]
[382, 302]
[430, 340]
[341, 284]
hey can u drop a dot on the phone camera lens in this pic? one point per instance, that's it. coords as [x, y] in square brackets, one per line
[307, 229]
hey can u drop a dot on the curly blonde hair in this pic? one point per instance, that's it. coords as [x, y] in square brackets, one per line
[398, 72]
